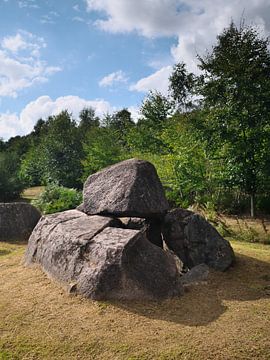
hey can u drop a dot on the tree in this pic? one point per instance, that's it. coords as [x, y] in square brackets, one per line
[155, 109]
[145, 137]
[120, 123]
[182, 86]
[10, 183]
[88, 120]
[101, 148]
[61, 151]
[236, 91]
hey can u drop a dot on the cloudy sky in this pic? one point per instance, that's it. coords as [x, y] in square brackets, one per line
[68, 54]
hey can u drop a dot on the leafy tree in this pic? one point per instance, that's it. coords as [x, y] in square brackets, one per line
[182, 86]
[18, 144]
[236, 91]
[2, 145]
[32, 169]
[88, 120]
[61, 151]
[145, 137]
[155, 110]
[120, 123]
[102, 148]
[10, 183]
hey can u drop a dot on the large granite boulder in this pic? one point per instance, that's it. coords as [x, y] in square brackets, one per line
[17, 220]
[94, 257]
[130, 188]
[195, 241]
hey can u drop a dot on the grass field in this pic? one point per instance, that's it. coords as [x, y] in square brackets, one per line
[227, 318]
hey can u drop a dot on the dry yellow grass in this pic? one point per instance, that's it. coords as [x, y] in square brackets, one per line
[227, 318]
[32, 193]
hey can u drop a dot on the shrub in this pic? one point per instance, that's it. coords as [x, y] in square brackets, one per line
[10, 183]
[57, 198]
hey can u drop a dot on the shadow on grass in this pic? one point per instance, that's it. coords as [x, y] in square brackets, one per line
[247, 280]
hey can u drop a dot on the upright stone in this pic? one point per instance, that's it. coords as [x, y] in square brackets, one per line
[196, 241]
[17, 220]
[130, 188]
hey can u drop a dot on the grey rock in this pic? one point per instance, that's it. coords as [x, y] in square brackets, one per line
[58, 240]
[196, 241]
[197, 275]
[80, 207]
[91, 257]
[17, 220]
[130, 188]
[133, 223]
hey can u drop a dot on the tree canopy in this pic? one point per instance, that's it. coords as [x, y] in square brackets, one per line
[236, 93]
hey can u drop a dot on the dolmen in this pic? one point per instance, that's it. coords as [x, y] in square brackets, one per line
[111, 246]
[17, 221]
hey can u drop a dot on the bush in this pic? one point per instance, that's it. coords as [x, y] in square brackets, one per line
[10, 183]
[57, 198]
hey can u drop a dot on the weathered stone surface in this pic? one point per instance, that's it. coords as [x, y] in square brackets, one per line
[196, 241]
[198, 274]
[100, 261]
[133, 223]
[59, 240]
[128, 266]
[130, 188]
[80, 207]
[17, 220]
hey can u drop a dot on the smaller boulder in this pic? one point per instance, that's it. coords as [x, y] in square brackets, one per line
[196, 241]
[17, 220]
[197, 275]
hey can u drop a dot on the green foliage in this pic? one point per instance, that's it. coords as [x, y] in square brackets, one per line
[31, 171]
[102, 148]
[88, 120]
[61, 151]
[182, 86]
[57, 198]
[145, 137]
[236, 91]
[10, 183]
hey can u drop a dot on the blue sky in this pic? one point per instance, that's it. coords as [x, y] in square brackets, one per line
[68, 54]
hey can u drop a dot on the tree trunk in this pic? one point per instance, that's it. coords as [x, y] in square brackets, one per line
[252, 205]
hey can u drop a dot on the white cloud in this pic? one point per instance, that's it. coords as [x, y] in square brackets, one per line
[195, 23]
[23, 40]
[13, 43]
[149, 18]
[8, 125]
[44, 106]
[135, 112]
[158, 81]
[113, 78]
[20, 63]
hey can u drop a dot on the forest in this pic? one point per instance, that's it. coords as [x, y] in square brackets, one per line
[209, 138]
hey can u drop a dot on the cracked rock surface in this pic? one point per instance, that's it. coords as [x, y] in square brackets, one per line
[195, 241]
[96, 258]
